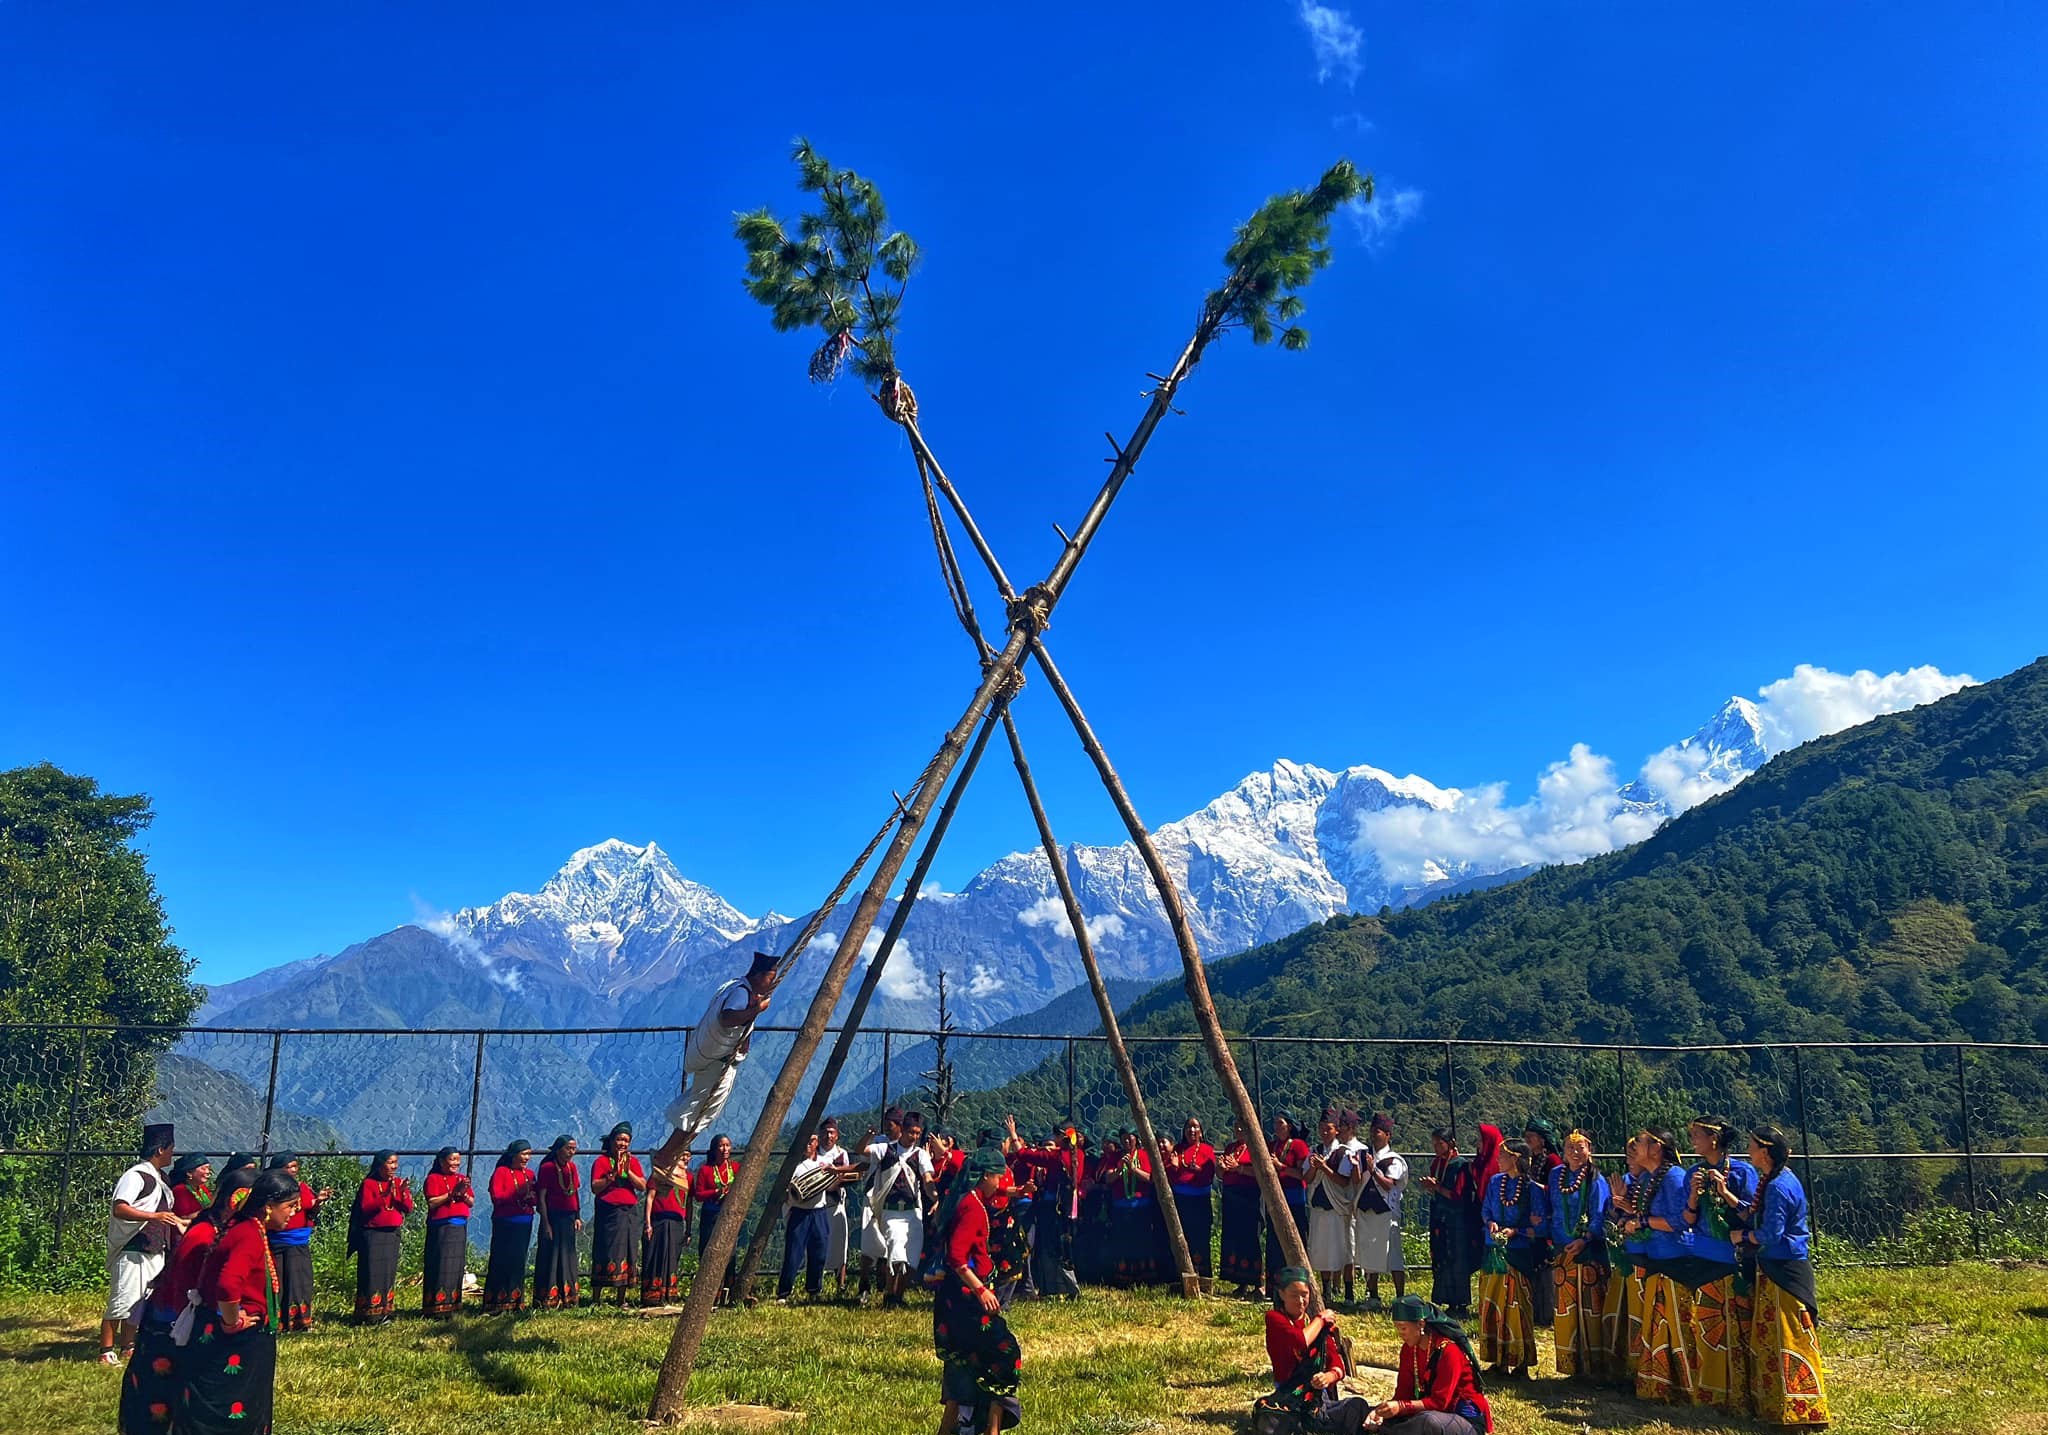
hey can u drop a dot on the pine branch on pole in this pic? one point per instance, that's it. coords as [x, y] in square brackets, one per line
[849, 1026]
[1162, 1181]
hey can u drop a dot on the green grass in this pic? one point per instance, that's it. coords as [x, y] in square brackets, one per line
[1947, 1351]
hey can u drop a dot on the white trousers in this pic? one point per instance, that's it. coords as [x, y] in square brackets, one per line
[1377, 1237]
[128, 1276]
[703, 1096]
[896, 1237]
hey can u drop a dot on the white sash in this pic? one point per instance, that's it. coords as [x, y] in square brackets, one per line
[885, 1182]
[181, 1329]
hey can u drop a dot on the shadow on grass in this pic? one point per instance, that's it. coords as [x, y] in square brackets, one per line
[491, 1351]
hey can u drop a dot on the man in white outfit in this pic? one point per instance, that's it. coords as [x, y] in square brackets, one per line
[1333, 1191]
[711, 1063]
[894, 1238]
[141, 1229]
[1379, 1214]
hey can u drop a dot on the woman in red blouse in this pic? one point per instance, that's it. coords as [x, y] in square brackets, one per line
[1308, 1360]
[1438, 1391]
[1137, 1233]
[1290, 1155]
[1191, 1166]
[1240, 1188]
[152, 1387]
[189, 1191]
[229, 1369]
[666, 1229]
[617, 1180]
[449, 1198]
[557, 1284]
[969, 1333]
[382, 1203]
[513, 1199]
[292, 1247]
[707, 1188]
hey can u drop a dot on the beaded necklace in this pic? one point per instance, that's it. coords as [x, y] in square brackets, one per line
[1513, 1193]
[1570, 1185]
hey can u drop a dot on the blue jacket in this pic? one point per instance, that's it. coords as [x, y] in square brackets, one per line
[1742, 1184]
[1580, 1215]
[1669, 1202]
[1781, 1227]
[1496, 1211]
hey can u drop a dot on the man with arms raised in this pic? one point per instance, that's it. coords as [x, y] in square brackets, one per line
[711, 1063]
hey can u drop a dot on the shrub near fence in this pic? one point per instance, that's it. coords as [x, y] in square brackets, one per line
[1913, 1153]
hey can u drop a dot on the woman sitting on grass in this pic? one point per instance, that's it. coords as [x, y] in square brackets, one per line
[969, 1333]
[1438, 1391]
[1308, 1362]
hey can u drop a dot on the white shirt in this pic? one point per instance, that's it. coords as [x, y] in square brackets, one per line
[916, 1164]
[713, 1043]
[803, 1169]
[834, 1155]
[1392, 1163]
[141, 1186]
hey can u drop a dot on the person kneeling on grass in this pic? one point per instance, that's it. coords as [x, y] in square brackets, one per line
[1438, 1392]
[1308, 1366]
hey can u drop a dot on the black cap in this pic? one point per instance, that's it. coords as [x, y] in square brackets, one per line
[156, 1136]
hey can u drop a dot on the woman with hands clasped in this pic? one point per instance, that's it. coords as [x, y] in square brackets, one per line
[450, 1198]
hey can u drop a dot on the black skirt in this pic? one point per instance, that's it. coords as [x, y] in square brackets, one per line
[1198, 1224]
[151, 1386]
[505, 1275]
[376, 1274]
[229, 1380]
[1137, 1242]
[295, 1278]
[556, 1282]
[447, 1264]
[981, 1358]
[1242, 1262]
[661, 1261]
[614, 1246]
[707, 1221]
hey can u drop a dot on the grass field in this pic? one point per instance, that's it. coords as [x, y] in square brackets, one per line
[1962, 1349]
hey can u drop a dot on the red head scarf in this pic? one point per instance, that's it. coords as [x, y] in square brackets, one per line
[1486, 1159]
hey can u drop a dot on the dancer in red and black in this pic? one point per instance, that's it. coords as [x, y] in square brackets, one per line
[450, 1196]
[229, 1369]
[667, 1231]
[557, 1285]
[382, 1203]
[982, 1362]
[292, 1248]
[191, 1191]
[1241, 1263]
[152, 1387]
[1191, 1166]
[514, 1196]
[617, 1180]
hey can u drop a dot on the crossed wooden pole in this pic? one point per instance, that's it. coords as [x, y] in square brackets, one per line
[1028, 613]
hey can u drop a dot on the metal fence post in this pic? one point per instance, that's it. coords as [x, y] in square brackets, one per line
[1258, 1086]
[1621, 1090]
[270, 1094]
[1073, 1112]
[882, 1109]
[1805, 1143]
[1969, 1153]
[476, 1092]
[70, 1145]
[1451, 1087]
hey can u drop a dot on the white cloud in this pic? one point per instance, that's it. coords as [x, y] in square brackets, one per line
[903, 979]
[1351, 120]
[1577, 811]
[1814, 702]
[1052, 912]
[1338, 42]
[982, 981]
[1389, 212]
[443, 925]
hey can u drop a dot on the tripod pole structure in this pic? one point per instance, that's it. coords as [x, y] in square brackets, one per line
[1162, 1183]
[849, 1026]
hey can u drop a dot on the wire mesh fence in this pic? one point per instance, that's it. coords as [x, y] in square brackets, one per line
[1912, 1153]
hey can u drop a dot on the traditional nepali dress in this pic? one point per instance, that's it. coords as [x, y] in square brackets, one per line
[1441, 1380]
[189, 1198]
[1241, 1262]
[981, 1357]
[1507, 1308]
[615, 1243]
[514, 1196]
[230, 1377]
[1331, 1207]
[1137, 1232]
[1194, 1186]
[708, 1188]
[1452, 1204]
[1578, 1212]
[381, 1208]
[1621, 1320]
[1720, 1294]
[1786, 1380]
[447, 1261]
[1665, 1367]
[1296, 1364]
[557, 1283]
[152, 1388]
[669, 1215]
[1006, 1247]
[1053, 1211]
[1093, 1263]
[291, 1250]
[1544, 1290]
[1291, 1156]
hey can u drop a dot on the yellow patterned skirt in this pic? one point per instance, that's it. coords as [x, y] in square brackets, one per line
[1665, 1369]
[1581, 1319]
[1621, 1323]
[1720, 1345]
[1785, 1375]
[1507, 1320]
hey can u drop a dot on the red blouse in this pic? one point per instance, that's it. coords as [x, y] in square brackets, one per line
[561, 1186]
[238, 1269]
[1241, 1174]
[1194, 1169]
[1441, 1381]
[710, 1181]
[1290, 1155]
[967, 1242]
[384, 1204]
[513, 1192]
[441, 1183]
[182, 1274]
[620, 1193]
[188, 1203]
[308, 1212]
[1286, 1348]
[671, 1203]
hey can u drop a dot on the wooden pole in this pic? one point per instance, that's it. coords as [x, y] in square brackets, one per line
[849, 1026]
[1193, 977]
[1162, 1183]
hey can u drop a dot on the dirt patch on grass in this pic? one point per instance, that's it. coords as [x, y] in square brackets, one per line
[735, 1417]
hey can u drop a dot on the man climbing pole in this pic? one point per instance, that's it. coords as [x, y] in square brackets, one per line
[711, 1063]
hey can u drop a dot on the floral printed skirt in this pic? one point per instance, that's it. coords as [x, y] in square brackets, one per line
[228, 1380]
[1785, 1373]
[981, 1358]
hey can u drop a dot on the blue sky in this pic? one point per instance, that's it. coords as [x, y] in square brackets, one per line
[400, 489]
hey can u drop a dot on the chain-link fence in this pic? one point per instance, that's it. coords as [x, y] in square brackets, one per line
[1912, 1153]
